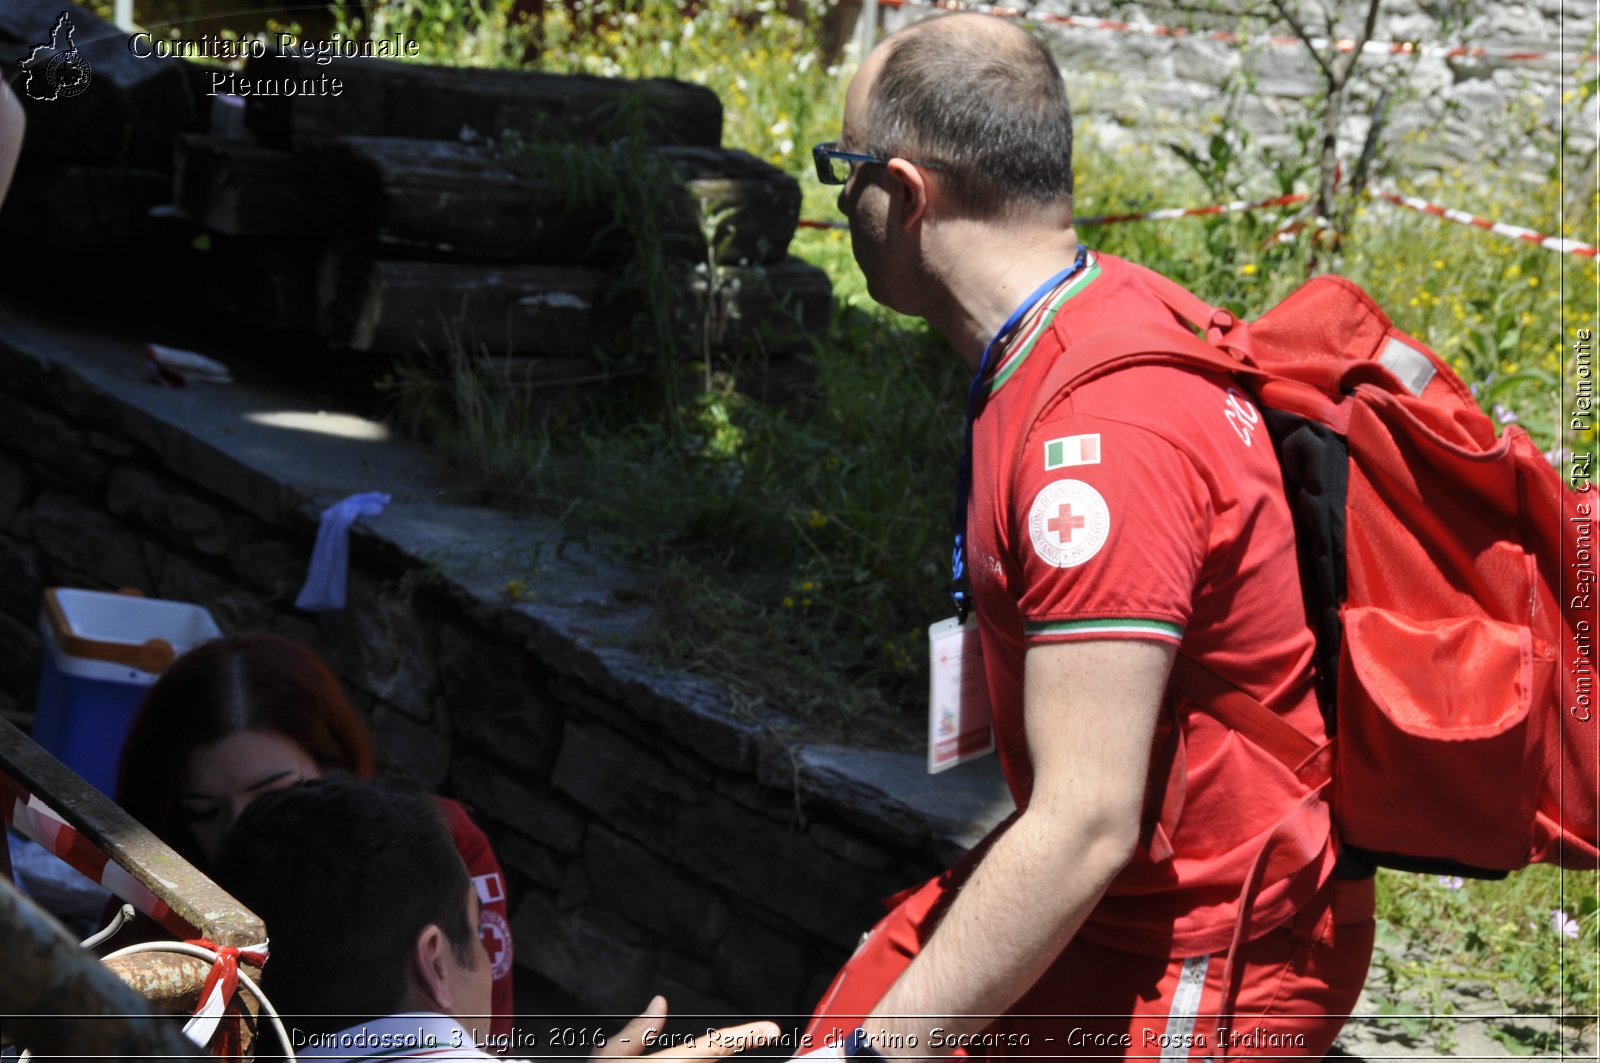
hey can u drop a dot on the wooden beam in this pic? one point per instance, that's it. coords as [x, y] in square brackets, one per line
[555, 204]
[87, 210]
[191, 895]
[379, 97]
[269, 284]
[401, 306]
[242, 189]
[128, 112]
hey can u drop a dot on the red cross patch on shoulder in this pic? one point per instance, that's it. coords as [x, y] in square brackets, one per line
[1069, 523]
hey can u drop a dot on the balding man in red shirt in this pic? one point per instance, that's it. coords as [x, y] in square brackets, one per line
[1166, 889]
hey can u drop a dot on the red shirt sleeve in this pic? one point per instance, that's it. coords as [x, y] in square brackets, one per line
[1110, 524]
[494, 926]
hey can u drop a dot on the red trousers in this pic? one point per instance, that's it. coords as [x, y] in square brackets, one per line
[1292, 989]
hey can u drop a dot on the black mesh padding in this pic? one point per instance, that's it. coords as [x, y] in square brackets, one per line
[1316, 470]
[1350, 856]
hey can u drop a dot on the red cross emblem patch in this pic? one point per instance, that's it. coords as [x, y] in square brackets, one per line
[1069, 522]
[495, 934]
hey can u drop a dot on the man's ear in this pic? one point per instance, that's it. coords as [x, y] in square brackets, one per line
[426, 981]
[913, 192]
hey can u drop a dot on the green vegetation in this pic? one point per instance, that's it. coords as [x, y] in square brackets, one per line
[1524, 945]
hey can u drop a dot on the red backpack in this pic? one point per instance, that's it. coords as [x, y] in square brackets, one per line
[1449, 578]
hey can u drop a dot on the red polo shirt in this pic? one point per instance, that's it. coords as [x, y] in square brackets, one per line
[1148, 505]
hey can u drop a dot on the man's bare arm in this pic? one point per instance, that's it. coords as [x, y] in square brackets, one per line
[1090, 710]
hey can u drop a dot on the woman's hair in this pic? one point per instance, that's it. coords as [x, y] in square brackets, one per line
[249, 682]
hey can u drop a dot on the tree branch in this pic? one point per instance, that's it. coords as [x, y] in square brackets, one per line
[1367, 29]
[1330, 22]
[1305, 39]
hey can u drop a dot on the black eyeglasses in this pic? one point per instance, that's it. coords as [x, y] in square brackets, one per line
[834, 165]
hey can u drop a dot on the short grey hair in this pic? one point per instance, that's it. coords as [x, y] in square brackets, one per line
[988, 108]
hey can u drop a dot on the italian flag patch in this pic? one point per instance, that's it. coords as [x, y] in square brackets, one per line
[1072, 450]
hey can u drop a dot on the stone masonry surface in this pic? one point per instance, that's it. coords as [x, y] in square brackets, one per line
[655, 838]
[1446, 113]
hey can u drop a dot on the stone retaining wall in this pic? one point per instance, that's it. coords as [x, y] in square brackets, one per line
[1464, 112]
[656, 837]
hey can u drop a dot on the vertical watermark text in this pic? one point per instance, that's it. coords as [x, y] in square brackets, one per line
[1579, 474]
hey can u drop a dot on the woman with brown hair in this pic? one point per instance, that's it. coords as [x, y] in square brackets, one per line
[244, 715]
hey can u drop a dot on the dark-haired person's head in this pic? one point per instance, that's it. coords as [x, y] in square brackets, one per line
[229, 720]
[368, 907]
[983, 103]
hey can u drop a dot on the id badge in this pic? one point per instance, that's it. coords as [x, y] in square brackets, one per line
[960, 725]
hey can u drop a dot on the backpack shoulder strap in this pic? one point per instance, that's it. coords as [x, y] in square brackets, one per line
[1180, 300]
[1118, 348]
[1225, 348]
[1310, 760]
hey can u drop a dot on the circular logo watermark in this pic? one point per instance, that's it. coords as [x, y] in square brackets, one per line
[68, 74]
[54, 68]
[1069, 523]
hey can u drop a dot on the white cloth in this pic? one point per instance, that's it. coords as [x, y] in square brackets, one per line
[330, 555]
[417, 1035]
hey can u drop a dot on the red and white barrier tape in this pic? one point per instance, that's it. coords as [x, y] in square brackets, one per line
[1152, 29]
[1514, 232]
[1186, 212]
[220, 985]
[1153, 215]
[34, 819]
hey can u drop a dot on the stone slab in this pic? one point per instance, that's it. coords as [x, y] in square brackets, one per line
[892, 795]
[528, 806]
[625, 878]
[562, 946]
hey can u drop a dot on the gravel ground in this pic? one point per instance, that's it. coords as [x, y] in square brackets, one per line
[1458, 1024]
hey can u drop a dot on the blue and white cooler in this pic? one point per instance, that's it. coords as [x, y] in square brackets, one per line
[102, 652]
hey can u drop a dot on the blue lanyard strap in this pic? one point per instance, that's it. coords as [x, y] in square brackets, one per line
[975, 396]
